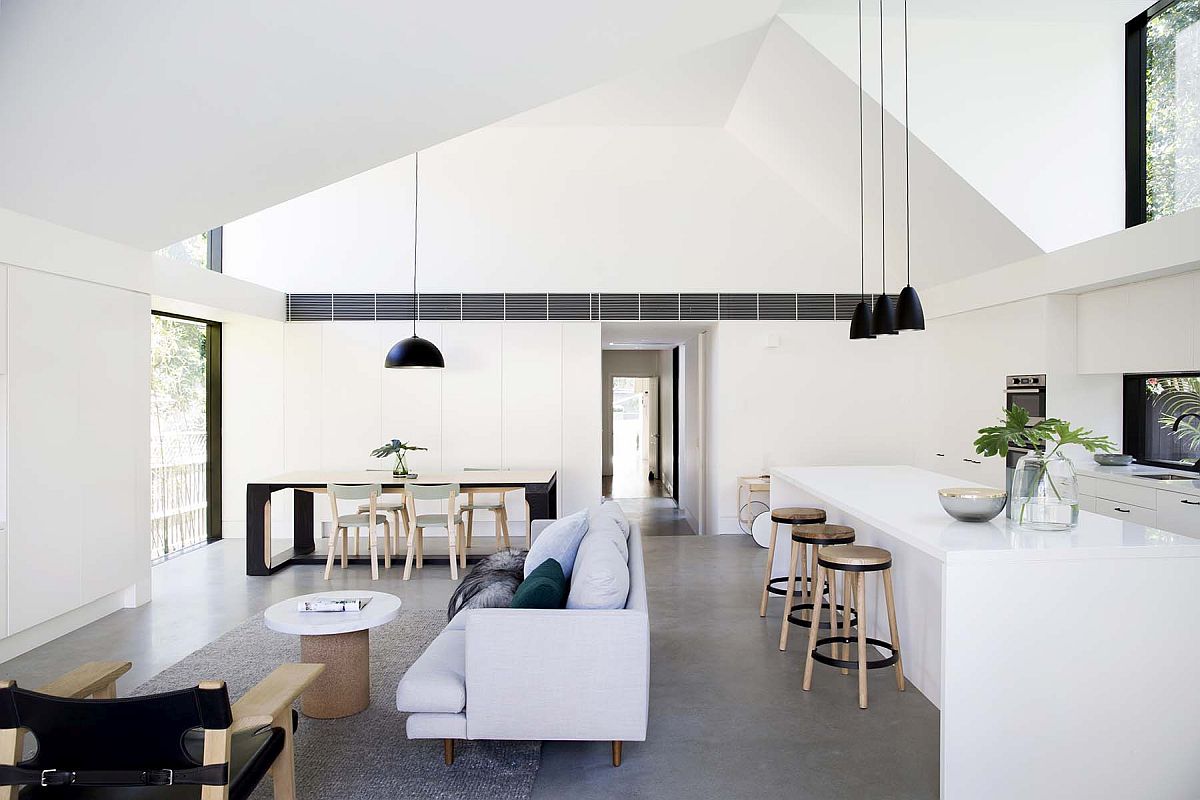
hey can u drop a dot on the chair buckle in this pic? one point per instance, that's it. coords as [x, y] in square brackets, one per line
[54, 777]
[160, 777]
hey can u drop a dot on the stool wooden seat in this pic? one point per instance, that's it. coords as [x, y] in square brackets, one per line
[793, 516]
[811, 602]
[854, 561]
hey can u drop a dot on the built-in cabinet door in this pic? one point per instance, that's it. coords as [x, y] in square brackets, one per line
[1179, 513]
[1101, 333]
[1142, 327]
[1126, 512]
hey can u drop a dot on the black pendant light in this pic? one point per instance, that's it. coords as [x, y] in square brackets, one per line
[415, 352]
[909, 314]
[860, 323]
[883, 320]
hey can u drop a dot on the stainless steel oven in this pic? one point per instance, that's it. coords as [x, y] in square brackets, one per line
[1027, 392]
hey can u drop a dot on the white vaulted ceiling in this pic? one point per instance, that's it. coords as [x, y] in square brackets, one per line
[144, 122]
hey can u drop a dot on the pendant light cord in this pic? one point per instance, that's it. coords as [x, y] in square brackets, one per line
[416, 205]
[862, 192]
[882, 161]
[907, 173]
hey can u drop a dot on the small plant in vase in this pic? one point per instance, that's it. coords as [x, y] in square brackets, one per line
[400, 450]
[1045, 491]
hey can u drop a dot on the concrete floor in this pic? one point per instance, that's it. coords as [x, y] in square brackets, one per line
[727, 716]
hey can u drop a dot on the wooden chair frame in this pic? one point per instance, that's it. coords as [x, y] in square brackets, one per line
[370, 493]
[455, 533]
[268, 703]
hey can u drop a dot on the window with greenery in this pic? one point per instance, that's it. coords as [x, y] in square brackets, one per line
[202, 250]
[1163, 131]
[1162, 419]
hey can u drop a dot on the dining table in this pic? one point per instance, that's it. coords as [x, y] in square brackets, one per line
[540, 485]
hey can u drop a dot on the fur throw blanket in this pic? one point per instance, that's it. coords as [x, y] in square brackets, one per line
[491, 583]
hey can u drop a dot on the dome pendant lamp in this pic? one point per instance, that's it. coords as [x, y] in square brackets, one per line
[860, 323]
[883, 320]
[415, 352]
[909, 314]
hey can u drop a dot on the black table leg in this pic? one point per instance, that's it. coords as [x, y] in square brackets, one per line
[302, 510]
[258, 496]
[542, 499]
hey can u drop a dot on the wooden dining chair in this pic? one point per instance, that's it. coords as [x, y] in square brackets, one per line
[487, 498]
[397, 506]
[450, 519]
[344, 522]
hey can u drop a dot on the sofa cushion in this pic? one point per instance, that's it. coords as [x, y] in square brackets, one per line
[604, 526]
[612, 511]
[546, 587]
[437, 681]
[601, 577]
[560, 540]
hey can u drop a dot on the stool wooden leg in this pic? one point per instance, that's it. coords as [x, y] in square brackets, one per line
[817, 591]
[860, 591]
[822, 573]
[891, 609]
[805, 579]
[831, 580]
[791, 592]
[762, 608]
[849, 601]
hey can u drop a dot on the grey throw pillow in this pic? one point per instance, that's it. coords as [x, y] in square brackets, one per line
[560, 540]
[491, 583]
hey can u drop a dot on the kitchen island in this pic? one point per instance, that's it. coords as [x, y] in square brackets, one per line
[1063, 663]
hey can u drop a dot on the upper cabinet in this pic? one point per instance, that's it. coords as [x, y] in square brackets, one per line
[1142, 327]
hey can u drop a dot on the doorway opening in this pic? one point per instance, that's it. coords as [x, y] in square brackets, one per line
[635, 438]
[185, 434]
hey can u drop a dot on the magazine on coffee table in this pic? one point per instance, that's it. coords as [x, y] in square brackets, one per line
[333, 604]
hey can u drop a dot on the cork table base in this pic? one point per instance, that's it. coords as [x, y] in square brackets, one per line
[344, 688]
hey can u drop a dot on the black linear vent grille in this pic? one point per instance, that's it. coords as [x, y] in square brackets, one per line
[816, 306]
[353, 306]
[739, 306]
[777, 306]
[844, 305]
[570, 307]
[525, 306]
[697, 306]
[660, 306]
[595, 305]
[394, 306]
[309, 307]
[618, 306]
[483, 307]
[440, 306]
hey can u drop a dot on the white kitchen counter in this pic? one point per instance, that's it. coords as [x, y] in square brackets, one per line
[1130, 475]
[1063, 663]
[902, 502]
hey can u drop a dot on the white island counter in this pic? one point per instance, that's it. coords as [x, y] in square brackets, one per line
[1064, 664]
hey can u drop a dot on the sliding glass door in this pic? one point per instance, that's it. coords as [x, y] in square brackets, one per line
[184, 433]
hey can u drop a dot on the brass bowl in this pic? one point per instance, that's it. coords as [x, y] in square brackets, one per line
[973, 504]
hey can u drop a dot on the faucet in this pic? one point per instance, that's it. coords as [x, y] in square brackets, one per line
[1175, 427]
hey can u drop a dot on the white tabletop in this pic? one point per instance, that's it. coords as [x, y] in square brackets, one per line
[902, 502]
[284, 617]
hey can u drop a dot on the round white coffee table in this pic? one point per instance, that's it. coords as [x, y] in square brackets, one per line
[340, 641]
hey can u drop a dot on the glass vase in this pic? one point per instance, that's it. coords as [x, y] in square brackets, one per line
[1045, 493]
[400, 470]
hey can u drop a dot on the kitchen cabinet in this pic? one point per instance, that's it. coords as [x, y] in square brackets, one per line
[1178, 513]
[1126, 511]
[1166, 334]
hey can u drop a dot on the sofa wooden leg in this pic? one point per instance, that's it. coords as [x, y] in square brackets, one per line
[448, 747]
[616, 747]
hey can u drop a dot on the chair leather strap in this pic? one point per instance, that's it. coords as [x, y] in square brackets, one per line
[210, 775]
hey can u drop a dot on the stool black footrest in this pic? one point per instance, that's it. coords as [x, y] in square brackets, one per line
[824, 624]
[782, 592]
[877, 663]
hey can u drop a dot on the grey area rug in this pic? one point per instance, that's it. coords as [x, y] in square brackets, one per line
[368, 755]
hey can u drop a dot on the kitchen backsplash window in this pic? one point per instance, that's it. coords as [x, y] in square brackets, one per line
[1162, 419]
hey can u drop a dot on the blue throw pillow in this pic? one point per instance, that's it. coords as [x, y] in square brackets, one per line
[560, 541]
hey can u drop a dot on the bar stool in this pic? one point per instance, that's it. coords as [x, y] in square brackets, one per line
[855, 561]
[806, 539]
[785, 516]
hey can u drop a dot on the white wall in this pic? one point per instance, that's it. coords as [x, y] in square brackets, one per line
[1028, 110]
[816, 398]
[692, 430]
[513, 395]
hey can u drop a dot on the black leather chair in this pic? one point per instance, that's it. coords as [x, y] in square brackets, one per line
[191, 743]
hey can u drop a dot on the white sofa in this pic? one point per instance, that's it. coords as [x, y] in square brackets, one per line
[529, 674]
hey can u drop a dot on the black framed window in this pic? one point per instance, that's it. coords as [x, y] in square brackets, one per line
[185, 433]
[1162, 419]
[1162, 130]
[203, 250]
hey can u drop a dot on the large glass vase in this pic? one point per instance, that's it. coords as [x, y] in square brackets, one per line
[1045, 493]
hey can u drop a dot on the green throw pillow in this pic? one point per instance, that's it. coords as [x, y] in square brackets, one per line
[546, 587]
